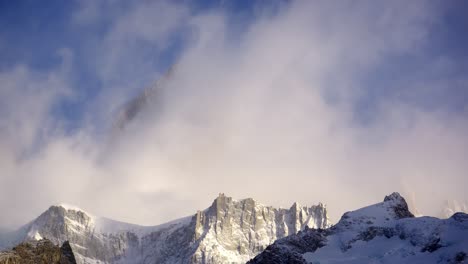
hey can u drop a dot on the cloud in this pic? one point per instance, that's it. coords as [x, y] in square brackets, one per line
[272, 112]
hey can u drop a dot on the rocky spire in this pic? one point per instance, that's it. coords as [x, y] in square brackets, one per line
[399, 205]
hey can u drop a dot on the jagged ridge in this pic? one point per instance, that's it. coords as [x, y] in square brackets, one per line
[386, 232]
[229, 231]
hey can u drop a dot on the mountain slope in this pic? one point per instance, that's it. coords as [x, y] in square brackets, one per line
[386, 232]
[38, 252]
[229, 231]
[91, 238]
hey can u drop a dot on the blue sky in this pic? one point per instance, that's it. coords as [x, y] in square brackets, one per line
[32, 34]
[351, 94]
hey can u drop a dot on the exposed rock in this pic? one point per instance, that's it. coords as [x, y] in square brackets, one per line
[290, 249]
[382, 233]
[460, 257]
[60, 224]
[229, 231]
[400, 207]
[67, 252]
[38, 252]
[432, 246]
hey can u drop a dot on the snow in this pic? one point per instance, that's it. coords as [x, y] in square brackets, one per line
[246, 224]
[381, 233]
[37, 236]
[109, 226]
[70, 207]
[405, 246]
[419, 232]
[34, 233]
[85, 260]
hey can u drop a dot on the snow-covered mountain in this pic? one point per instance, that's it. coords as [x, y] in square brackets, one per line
[452, 206]
[91, 238]
[386, 232]
[229, 231]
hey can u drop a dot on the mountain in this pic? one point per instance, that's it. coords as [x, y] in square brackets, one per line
[229, 231]
[386, 232]
[91, 238]
[452, 206]
[38, 252]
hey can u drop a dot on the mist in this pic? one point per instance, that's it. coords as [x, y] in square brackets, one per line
[306, 101]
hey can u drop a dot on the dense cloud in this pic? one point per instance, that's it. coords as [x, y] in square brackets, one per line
[288, 109]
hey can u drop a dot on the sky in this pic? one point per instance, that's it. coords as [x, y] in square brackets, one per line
[340, 102]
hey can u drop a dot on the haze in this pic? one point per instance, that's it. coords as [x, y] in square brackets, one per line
[282, 101]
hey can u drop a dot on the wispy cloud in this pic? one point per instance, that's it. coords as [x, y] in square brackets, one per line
[272, 112]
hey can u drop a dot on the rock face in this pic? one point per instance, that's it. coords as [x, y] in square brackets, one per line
[386, 232]
[38, 252]
[229, 231]
[62, 223]
[398, 205]
[238, 230]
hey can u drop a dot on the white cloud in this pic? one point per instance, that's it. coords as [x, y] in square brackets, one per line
[269, 115]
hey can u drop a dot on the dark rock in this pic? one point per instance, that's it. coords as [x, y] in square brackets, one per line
[459, 217]
[374, 231]
[67, 252]
[400, 207]
[432, 246]
[460, 257]
[38, 252]
[291, 248]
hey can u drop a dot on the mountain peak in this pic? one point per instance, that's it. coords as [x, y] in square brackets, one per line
[395, 196]
[60, 219]
[396, 202]
[385, 232]
[67, 210]
[68, 207]
[230, 230]
[244, 227]
[393, 207]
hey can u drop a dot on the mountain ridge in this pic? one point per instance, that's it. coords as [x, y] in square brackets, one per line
[385, 232]
[205, 237]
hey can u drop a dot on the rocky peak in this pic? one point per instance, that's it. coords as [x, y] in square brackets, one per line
[376, 233]
[394, 197]
[398, 204]
[393, 207]
[59, 220]
[242, 228]
[64, 211]
[221, 204]
[228, 231]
